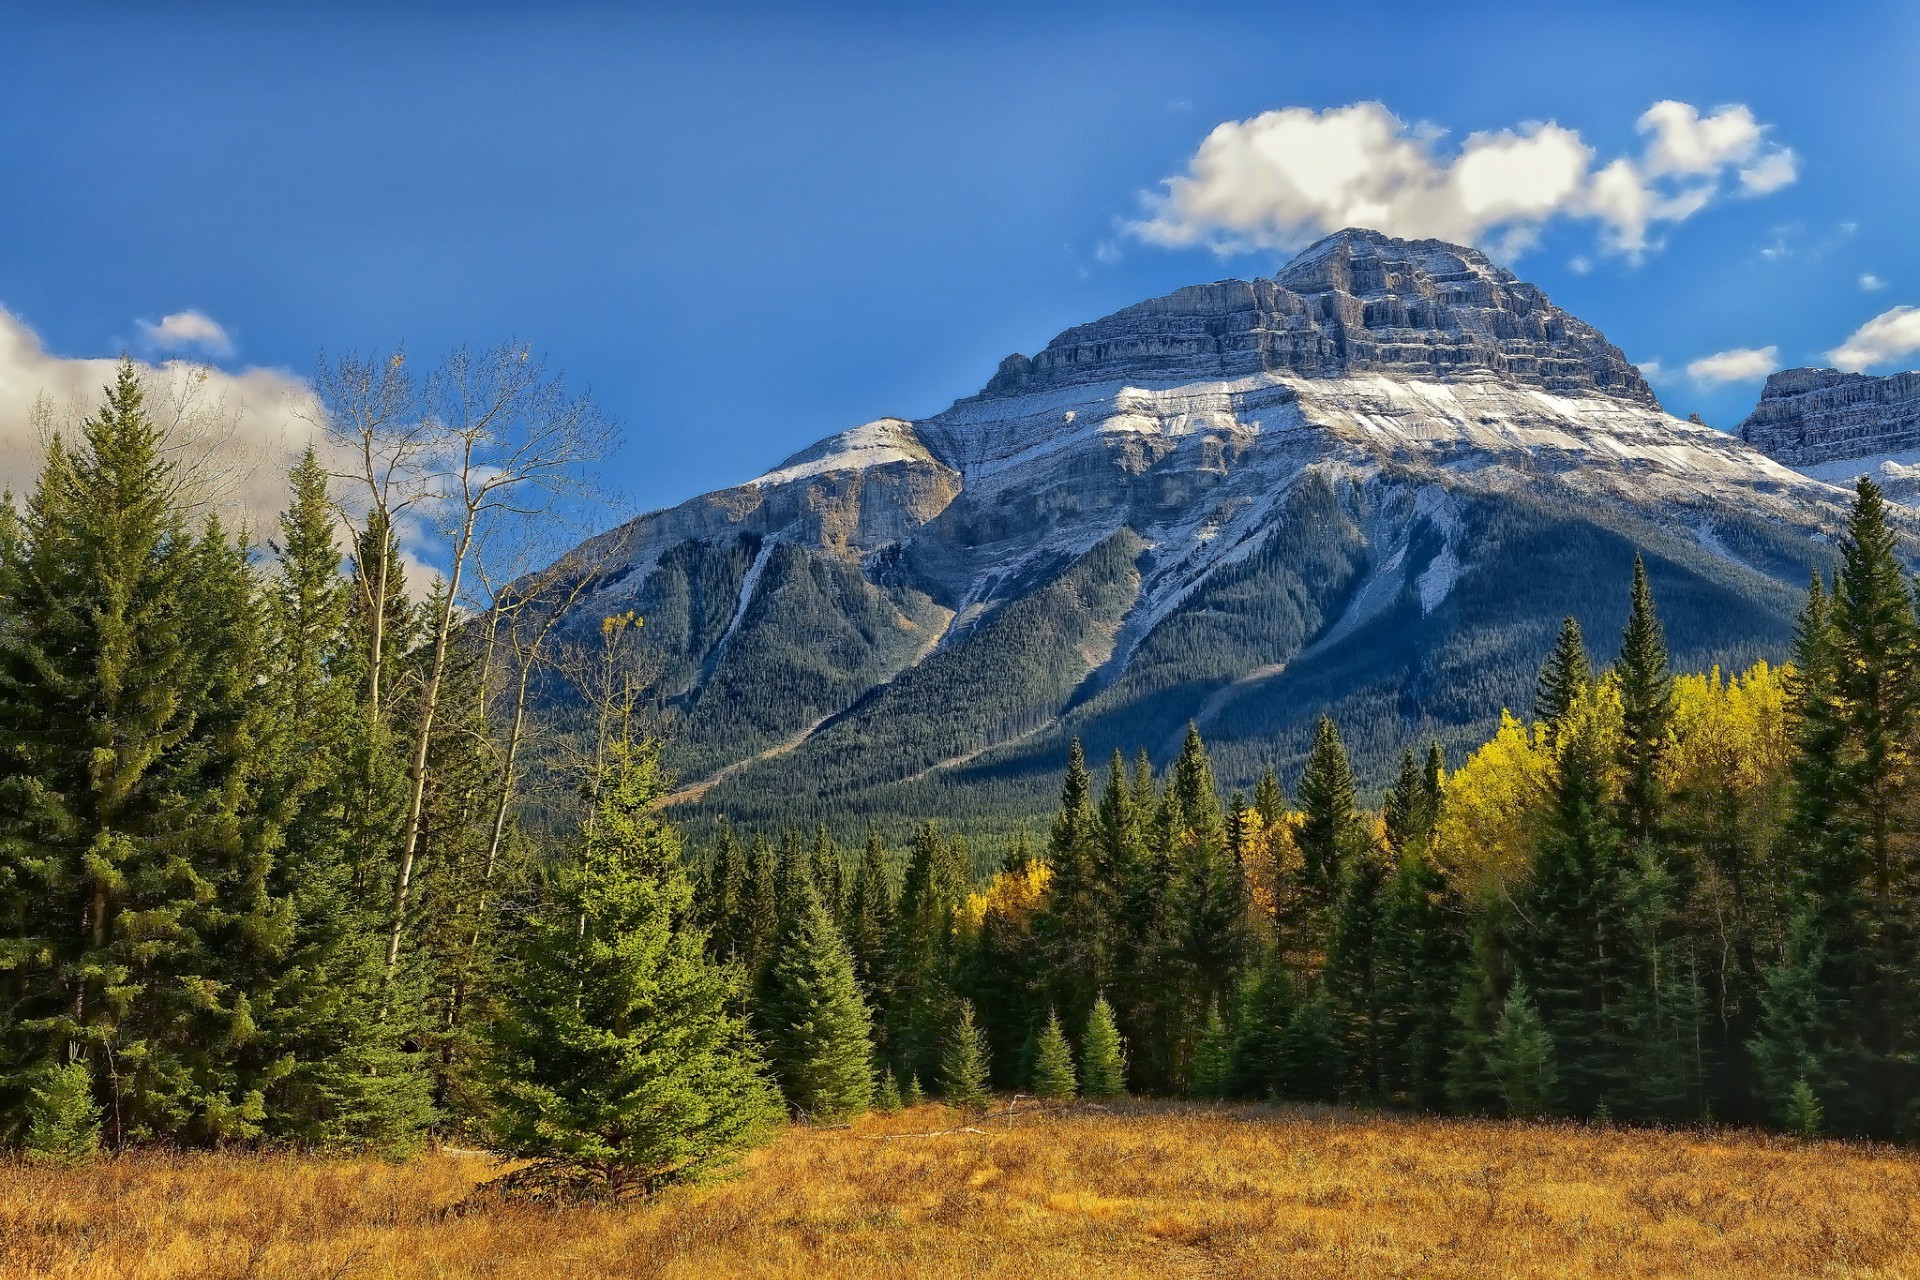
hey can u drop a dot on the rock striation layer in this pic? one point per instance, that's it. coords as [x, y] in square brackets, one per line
[1810, 417]
[1355, 302]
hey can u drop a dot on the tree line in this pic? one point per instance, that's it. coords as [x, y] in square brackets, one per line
[1665, 898]
[290, 855]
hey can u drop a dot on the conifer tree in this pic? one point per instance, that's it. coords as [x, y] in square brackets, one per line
[829, 875]
[1103, 1067]
[1268, 800]
[1564, 678]
[814, 1022]
[1072, 928]
[1521, 1056]
[1353, 978]
[1575, 954]
[1840, 1009]
[1209, 893]
[964, 1063]
[1646, 706]
[126, 745]
[886, 1094]
[725, 899]
[1331, 831]
[1213, 1058]
[1053, 1076]
[340, 1075]
[621, 1066]
[924, 953]
[62, 1118]
[870, 920]
[760, 908]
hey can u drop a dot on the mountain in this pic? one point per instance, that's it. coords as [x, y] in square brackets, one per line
[1837, 426]
[1370, 485]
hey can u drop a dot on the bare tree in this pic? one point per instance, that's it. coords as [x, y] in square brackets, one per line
[506, 442]
[367, 407]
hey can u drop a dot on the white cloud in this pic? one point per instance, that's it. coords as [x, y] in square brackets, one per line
[1285, 177]
[1742, 364]
[188, 330]
[1580, 263]
[1651, 370]
[1871, 282]
[1106, 253]
[1889, 336]
[242, 429]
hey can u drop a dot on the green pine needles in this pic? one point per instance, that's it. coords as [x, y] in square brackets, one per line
[621, 1064]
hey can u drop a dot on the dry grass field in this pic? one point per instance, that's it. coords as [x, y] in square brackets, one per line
[1147, 1191]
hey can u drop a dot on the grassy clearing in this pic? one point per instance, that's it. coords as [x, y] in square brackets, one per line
[1144, 1191]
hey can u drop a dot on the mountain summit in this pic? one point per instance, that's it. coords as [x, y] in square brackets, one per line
[1372, 484]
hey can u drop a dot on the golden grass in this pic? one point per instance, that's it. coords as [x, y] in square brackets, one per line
[1146, 1191]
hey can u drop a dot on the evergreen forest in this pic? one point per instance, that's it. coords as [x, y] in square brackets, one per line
[289, 856]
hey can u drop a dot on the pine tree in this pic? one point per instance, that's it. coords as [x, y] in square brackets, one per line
[913, 1095]
[964, 1063]
[1072, 929]
[1842, 1008]
[1564, 678]
[1103, 1068]
[760, 908]
[1646, 706]
[621, 1066]
[62, 1118]
[886, 1095]
[1209, 896]
[813, 1021]
[724, 896]
[339, 1073]
[829, 875]
[1268, 800]
[1575, 953]
[1331, 831]
[126, 749]
[870, 921]
[925, 951]
[1353, 979]
[1472, 1083]
[1521, 1056]
[1213, 1058]
[1053, 1077]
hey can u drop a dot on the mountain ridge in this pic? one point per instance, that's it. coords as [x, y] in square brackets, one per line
[1377, 480]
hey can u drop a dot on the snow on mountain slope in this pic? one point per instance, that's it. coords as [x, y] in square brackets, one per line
[1399, 414]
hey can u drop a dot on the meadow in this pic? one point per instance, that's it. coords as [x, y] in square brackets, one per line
[1140, 1190]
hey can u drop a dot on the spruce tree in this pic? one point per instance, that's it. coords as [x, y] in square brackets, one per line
[340, 1074]
[1213, 1057]
[925, 951]
[964, 1064]
[126, 751]
[62, 1118]
[1646, 706]
[1353, 979]
[1331, 831]
[1209, 897]
[870, 921]
[621, 1064]
[1103, 1068]
[1072, 929]
[813, 1021]
[1575, 953]
[1521, 1056]
[1564, 677]
[1053, 1076]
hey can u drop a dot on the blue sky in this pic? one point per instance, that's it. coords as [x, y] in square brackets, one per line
[746, 229]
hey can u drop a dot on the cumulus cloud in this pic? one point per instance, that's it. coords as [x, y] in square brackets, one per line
[188, 331]
[1283, 178]
[1889, 336]
[1871, 282]
[1742, 364]
[239, 431]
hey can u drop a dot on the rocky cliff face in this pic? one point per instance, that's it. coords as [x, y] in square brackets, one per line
[1816, 417]
[1372, 485]
[1356, 302]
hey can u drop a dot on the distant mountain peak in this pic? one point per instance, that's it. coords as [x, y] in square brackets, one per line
[1357, 301]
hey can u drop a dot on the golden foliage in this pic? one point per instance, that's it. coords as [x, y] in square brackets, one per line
[1169, 1191]
[1490, 814]
[1014, 896]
